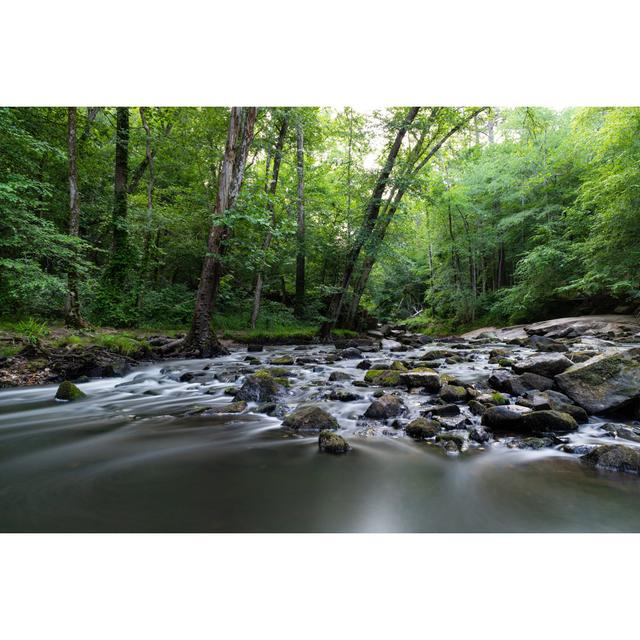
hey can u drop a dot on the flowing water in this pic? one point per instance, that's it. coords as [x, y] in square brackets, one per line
[129, 459]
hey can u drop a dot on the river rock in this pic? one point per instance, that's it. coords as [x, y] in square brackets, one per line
[422, 377]
[535, 381]
[364, 364]
[544, 343]
[422, 429]
[459, 438]
[255, 348]
[351, 353]
[547, 420]
[388, 344]
[282, 360]
[505, 417]
[383, 377]
[503, 380]
[310, 418]
[604, 382]
[453, 393]
[533, 443]
[441, 410]
[387, 406]
[69, 392]
[259, 387]
[230, 407]
[330, 442]
[614, 457]
[559, 402]
[547, 364]
[336, 376]
[622, 431]
[343, 395]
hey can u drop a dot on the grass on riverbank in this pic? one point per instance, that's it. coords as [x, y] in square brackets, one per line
[15, 334]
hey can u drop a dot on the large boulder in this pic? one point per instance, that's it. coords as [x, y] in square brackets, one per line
[604, 382]
[506, 417]
[386, 406]
[330, 442]
[310, 418]
[259, 387]
[545, 364]
[615, 458]
[390, 344]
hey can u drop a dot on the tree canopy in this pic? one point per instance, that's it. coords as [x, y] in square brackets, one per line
[445, 216]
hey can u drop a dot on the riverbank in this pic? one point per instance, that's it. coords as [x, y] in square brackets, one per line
[36, 353]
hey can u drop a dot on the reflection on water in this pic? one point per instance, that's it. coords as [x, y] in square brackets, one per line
[129, 459]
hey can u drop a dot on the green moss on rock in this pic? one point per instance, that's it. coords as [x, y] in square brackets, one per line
[69, 392]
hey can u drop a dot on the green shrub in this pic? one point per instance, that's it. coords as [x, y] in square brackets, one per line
[31, 330]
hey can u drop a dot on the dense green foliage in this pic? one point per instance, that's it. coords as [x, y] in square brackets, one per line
[539, 221]
[523, 214]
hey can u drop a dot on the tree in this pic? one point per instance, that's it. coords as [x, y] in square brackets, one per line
[371, 215]
[300, 252]
[271, 206]
[73, 317]
[201, 338]
[149, 155]
[120, 257]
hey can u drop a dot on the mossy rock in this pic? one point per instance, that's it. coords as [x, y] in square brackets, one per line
[310, 418]
[282, 360]
[423, 377]
[422, 429]
[259, 387]
[231, 407]
[69, 392]
[383, 377]
[397, 365]
[498, 399]
[453, 393]
[330, 442]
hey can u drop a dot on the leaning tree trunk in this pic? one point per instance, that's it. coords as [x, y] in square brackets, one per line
[72, 315]
[277, 159]
[201, 338]
[378, 233]
[300, 232]
[368, 224]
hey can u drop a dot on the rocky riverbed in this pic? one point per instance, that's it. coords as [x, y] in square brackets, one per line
[559, 402]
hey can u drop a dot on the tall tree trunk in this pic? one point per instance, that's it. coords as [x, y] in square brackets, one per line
[201, 338]
[120, 258]
[72, 315]
[371, 215]
[149, 221]
[277, 159]
[300, 232]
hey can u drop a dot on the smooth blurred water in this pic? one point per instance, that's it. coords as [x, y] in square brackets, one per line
[128, 459]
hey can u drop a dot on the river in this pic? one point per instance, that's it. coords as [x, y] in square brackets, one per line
[129, 459]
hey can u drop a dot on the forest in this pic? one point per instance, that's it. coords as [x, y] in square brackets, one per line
[304, 220]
